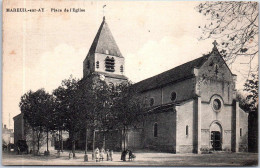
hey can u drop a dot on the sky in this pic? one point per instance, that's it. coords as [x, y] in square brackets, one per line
[40, 49]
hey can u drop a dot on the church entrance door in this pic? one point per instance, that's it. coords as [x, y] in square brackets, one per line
[216, 136]
[216, 140]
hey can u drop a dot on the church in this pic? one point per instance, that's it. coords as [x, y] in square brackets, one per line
[190, 109]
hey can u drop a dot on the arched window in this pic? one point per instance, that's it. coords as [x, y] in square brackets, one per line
[97, 64]
[155, 130]
[110, 64]
[240, 131]
[187, 130]
[173, 96]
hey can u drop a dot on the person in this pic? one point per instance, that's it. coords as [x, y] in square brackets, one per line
[131, 155]
[107, 153]
[111, 155]
[123, 156]
[97, 154]
[102, 152]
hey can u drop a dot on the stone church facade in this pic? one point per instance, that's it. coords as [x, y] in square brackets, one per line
[190, 108]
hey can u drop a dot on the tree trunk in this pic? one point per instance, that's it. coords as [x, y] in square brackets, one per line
[73, 148]
[124, 137]
[38, 143]
[93, 144]
[104, 140]
[86, 145]
[33, 141]
[61, 140]
[47, 140]
[73, 145]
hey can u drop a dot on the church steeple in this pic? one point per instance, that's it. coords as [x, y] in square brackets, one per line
[104, 42]
[104, 57]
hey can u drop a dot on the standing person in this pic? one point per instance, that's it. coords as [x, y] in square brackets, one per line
[111, 155]
[102, 152]
[107, 152]
[130, 153]
[123, 156]
[97, 154]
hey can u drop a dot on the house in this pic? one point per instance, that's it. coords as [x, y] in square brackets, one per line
[23, 131]
[7, 135]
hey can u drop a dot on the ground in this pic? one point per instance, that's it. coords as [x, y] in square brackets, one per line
[142, 159]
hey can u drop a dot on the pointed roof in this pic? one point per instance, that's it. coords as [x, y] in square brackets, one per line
[103, 41]
[176, 74]
[173, 75]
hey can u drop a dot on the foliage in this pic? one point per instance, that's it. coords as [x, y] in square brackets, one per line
[235, 23]
[251, 86]
[77, 105]
[67, 113]
[37, 108]
[243, 102]
[127, 108]
[249, 102]
[80, 105]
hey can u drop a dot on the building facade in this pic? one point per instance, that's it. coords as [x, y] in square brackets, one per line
[7, 135]
[24, 132]
[190, 108]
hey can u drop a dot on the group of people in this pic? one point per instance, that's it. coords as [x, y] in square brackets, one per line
[131, 156]
[100, 154]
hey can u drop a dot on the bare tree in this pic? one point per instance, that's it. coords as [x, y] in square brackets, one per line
[235, 24]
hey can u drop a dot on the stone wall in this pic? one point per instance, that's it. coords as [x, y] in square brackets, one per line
[19, 128]
[186, 127]
[243, 131]
[209, 82]
[183, 89]
[88, 70]
[166, 137]
[223, 118]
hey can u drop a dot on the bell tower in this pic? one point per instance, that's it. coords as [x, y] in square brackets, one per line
[104, 57]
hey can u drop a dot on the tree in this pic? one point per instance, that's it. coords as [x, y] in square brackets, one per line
[235, 23]
[50, 122]
[36, 107]
[251, 86]
[128, 108]
[69, 110]
[92, 97]
[103, 100]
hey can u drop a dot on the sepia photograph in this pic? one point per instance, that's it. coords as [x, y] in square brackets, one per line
[130, 83]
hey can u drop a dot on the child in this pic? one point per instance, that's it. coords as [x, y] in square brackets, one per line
[111, 155]
[102, 152]
[97, 154]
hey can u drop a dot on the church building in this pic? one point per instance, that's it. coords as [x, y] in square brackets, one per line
[190, 109]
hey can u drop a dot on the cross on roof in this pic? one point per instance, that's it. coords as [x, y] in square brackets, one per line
[215, 43]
